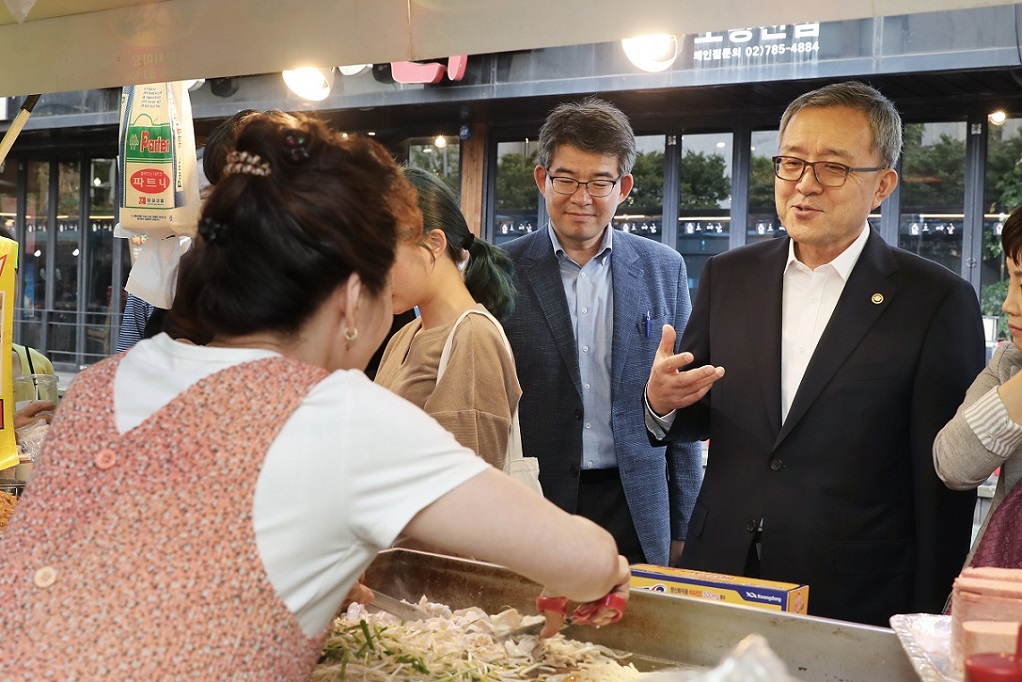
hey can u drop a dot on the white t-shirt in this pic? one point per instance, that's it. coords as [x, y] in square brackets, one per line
[347, 472]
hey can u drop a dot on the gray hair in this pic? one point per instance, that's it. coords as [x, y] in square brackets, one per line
[884, 120]
[592, 125]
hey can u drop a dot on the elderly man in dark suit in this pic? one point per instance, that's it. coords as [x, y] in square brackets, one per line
[589, 301]
[844, 357]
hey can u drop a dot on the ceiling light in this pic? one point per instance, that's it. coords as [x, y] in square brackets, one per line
[353, 69]
[653, 52]
[310, 83]
[998, 117]
[440, 142]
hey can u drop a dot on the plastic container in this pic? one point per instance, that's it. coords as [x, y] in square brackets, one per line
[29, 387]
[995, 667]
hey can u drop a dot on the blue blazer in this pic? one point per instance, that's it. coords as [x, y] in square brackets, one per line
[660, 483]
[845, 486]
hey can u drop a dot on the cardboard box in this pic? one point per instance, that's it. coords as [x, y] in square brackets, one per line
[731, 589]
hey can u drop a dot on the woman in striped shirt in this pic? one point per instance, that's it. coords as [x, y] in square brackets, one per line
[986, 432]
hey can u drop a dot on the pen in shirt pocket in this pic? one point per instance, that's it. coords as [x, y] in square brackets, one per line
[646, 321]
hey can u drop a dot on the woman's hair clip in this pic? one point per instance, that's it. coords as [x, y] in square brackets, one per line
[213, 231]
[246, 164]
[468, 242]
[295, 143]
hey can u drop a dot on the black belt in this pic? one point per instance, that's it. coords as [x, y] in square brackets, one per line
[596, 475]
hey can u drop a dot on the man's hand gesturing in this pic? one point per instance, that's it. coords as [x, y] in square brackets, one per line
[669, 387]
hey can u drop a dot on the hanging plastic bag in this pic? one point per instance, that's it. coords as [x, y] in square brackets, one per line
[157, 162]
[30, 440]
[153, 277]
[159, 184]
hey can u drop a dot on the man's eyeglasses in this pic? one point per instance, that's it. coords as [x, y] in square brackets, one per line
[828, 173]
[596, 188]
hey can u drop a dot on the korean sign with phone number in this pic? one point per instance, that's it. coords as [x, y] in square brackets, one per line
[746, 45]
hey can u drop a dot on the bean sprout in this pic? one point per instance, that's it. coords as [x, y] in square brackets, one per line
[458, 646]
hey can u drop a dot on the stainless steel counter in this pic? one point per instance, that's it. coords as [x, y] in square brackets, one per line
[661, 630]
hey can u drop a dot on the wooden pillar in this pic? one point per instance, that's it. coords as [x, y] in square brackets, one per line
[473, 163]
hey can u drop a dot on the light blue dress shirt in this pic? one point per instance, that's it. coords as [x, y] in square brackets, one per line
[590, 297]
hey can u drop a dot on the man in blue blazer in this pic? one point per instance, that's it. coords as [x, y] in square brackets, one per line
[591, 302]
[825, 363]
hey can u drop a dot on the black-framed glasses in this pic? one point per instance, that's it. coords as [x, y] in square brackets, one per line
[596, 188]
[828, 173]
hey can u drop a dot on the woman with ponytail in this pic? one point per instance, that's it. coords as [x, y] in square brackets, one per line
[200, 512]
[445, 272]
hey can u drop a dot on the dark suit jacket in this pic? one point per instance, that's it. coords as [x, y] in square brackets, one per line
[659, 483]
[846, 486]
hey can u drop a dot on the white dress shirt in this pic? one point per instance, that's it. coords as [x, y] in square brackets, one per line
[807, 303]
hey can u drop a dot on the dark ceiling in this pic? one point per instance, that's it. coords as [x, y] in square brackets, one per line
[919, 96]
[949, 95]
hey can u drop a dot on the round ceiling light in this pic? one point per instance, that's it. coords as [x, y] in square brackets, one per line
[352, 69]
[310, 83]
[998, 117]
[653, 52]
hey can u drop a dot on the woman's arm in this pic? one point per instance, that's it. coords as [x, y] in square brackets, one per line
[985, 430]
[501, 521]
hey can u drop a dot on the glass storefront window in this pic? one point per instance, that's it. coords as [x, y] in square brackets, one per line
[642, 212]
[9, 205]
[65, 298]
[704, 200]
[443, 161]
[100, 339]
[1002, 194]
[61, 343]
[517, 199]
[933, 192]
[32, 283]
[9, 197]
[763, 221]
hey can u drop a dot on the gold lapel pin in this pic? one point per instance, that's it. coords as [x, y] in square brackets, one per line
[877, 299]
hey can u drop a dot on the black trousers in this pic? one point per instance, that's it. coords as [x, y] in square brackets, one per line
[601, 499]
